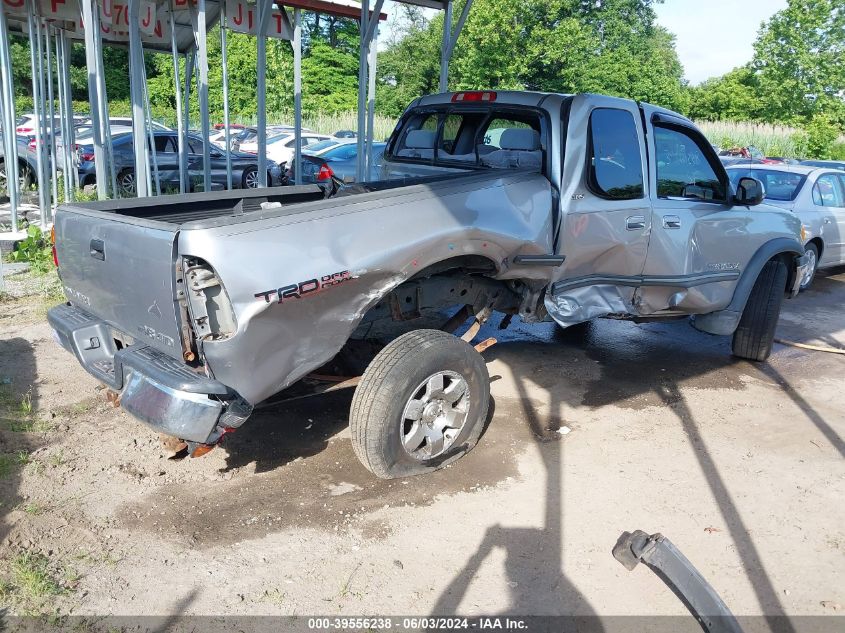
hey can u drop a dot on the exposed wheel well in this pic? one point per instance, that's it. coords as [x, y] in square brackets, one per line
[819, 244]
[471, 264]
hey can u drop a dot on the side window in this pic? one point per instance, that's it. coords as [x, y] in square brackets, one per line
[344, 152]
[451, 128]
[616, 169]
[827, 191]
[195, 145]
[419, 137]
[683, 170]
[164, 144]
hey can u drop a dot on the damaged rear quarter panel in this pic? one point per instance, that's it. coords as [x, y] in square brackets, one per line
[380, 238]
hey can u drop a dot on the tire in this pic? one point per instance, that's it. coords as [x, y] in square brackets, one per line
[126, 184]
[26, 176]
[812, 251]
[756, 331]
[401, 399]
[249, 180]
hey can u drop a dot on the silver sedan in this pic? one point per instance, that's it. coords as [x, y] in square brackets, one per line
[817, 196]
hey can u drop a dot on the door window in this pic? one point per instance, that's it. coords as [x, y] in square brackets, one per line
[683, 170]
[827, 191]
[195, 145]
[616, 168]
[165, 144]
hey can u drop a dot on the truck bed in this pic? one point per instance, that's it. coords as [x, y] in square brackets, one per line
[182, 209]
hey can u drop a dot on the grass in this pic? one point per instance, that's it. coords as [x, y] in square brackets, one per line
[31, 581]
[772, 140]
[323, 123]
[11, 462]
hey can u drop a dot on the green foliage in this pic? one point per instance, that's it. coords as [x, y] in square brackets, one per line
[556, 45]
[821, 136]
[798, 54]
[35, 250]
[734, 96]
[772, 140]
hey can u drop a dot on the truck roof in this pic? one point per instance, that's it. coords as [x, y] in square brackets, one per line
[523, 98]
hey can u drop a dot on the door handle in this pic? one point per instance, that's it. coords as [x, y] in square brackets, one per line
[635, 223]
[827, 220]
[98, 249]
[671, 222]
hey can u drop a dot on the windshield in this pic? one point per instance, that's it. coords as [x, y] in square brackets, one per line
[779, 185]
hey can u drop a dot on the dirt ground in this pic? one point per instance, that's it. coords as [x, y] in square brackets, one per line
[607, 428]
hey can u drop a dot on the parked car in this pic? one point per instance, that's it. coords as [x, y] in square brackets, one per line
[816, 195]
[830, 164]
[26, 124]
[202, 306]
[339, 161]
[249, 136]
[281, 147]
[27, 164]
[244, 166]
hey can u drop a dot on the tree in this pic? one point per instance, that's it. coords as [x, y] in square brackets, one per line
[735, 96]
[612, 46]
[798, 58]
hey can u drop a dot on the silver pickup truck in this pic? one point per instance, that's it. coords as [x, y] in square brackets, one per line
[194, 309]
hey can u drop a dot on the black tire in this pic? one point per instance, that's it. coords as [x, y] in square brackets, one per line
[394, 377]
[127, 185]
[753, 338]
[812, 250]
[26, 175]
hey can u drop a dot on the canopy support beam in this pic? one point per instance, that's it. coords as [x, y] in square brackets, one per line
[450, 39]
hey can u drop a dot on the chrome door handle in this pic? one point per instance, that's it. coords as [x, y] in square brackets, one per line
[827, 220]
[635, 223]
[671, 222]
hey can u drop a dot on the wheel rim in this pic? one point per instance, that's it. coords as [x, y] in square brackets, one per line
[251, 180]
[434, 415]
[127, 182]
[811, 269]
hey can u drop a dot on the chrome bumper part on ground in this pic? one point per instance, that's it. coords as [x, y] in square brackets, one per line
[155, 388]
[802, 265]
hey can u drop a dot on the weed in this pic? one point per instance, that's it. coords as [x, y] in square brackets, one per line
[57, 459]
[33, 581]
[35, 250]
[11, 462]
[30, 426]
[26, 403]
[33, 509]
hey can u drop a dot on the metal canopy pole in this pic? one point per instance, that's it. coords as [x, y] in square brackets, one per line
[34, 49]
[371, 100]
[202, 62]
[64, 121]
[450, 38]
[89, 7]
[265, 10]
[362, 87]
[180, 130]
[52, 114]
[103, 104]
[297, 95]
[225, 60]
[136, 96]
[183, 157]
[148, 121]
[9, 138]
[42, 142]
[70, 139]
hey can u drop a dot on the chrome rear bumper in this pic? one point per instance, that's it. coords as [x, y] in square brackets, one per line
[155, 388]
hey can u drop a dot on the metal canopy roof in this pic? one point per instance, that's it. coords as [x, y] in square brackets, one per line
[184, 29]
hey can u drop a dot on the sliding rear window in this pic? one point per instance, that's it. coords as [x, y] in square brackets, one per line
[496, 138]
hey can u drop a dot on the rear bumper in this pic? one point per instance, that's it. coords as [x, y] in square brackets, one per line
[155, 388]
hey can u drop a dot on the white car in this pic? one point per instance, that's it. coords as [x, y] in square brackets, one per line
[280, 148]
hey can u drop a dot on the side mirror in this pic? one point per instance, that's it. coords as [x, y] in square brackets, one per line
[749, 192]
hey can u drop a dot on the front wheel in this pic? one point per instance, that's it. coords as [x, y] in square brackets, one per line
[421, 405]
[812, 253]
[756, 331]
[126, 184]
[250, 178]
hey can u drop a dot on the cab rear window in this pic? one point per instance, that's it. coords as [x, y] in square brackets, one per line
[494, 138]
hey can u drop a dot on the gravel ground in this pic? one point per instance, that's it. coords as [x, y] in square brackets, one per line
[607, 428]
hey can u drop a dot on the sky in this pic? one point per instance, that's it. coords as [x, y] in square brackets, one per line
[712, 36]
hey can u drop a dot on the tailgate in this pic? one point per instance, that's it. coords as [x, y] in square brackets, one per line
[122, 270]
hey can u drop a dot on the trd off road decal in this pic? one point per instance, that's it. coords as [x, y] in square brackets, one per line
[304, 288]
